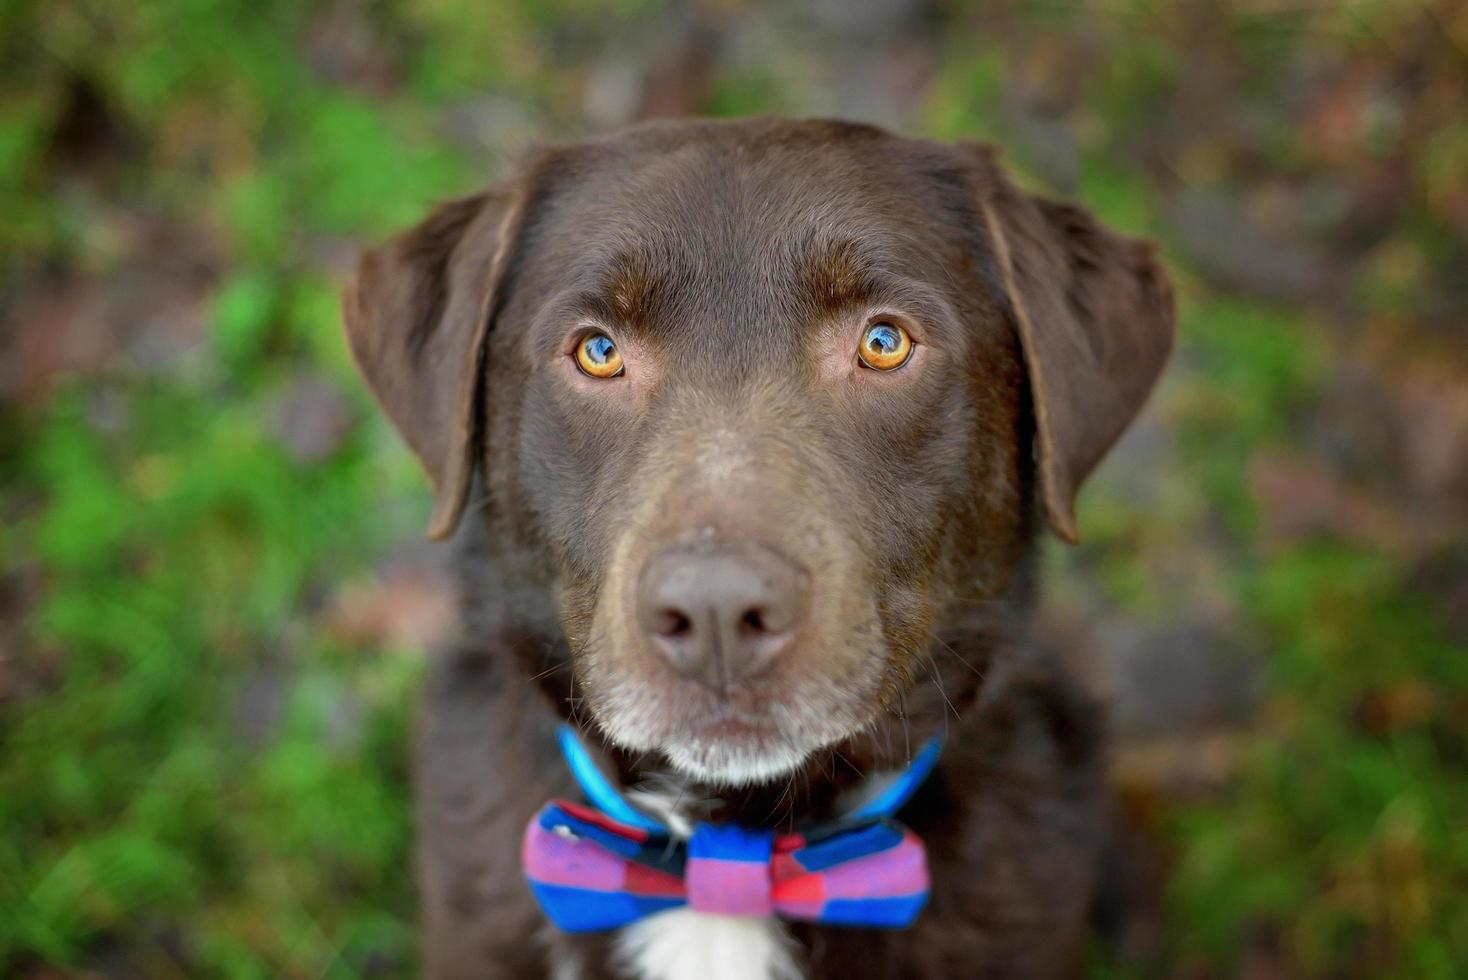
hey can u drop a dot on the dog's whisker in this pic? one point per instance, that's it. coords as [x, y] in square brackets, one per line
[790, 782]
[805, 791]
[887, 732]
[959, 657]
[553, 668]
[851, 765]
[938, 683]
[942, 691]
[906, 734]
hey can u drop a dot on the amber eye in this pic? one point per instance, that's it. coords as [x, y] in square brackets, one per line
[597, 356]
[885, 346]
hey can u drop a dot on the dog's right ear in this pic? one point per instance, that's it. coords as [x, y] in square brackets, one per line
[418, 313]
[1095, 318]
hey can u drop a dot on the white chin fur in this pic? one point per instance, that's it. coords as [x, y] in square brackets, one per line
[724, 765]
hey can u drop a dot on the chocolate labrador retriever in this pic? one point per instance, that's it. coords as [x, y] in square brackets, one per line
[744, 433]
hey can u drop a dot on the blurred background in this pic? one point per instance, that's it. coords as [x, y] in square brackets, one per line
[214, 595]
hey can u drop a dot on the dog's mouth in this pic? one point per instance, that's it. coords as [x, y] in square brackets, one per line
[736, 750]
[733, 749]
[747, 734]
[733, 727]
[735, 764]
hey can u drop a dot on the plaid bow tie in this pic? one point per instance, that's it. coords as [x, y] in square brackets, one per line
[603, 867]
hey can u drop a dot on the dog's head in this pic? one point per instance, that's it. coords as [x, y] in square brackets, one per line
[776, 398]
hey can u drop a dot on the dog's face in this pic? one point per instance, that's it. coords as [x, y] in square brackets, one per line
[765, 395]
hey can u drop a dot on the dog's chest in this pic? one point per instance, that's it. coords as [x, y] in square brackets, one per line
[682, 944]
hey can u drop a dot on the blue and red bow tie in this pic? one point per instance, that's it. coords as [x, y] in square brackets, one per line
[608, 865]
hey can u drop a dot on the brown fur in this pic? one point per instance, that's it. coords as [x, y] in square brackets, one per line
[735, 263]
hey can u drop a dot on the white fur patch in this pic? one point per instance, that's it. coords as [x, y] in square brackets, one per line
[685, 945]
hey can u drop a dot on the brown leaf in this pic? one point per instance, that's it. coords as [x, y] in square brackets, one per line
[407, 606]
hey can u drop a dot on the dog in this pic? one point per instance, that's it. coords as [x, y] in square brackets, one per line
[744, 433]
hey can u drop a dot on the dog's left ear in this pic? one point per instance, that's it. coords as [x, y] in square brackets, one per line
[418, 313]
[1095, 317]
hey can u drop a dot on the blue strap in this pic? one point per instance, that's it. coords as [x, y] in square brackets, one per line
[892, 799]
[600, 792]
[605, 797]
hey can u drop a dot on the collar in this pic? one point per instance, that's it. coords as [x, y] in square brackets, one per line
[883, 800]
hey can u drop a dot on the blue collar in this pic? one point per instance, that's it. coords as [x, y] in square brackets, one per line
[602, 795]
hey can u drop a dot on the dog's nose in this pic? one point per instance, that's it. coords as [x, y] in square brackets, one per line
[720, 612]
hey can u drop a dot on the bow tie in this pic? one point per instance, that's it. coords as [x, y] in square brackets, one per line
[608, 865]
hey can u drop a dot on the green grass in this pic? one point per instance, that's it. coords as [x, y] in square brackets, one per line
[179, 562]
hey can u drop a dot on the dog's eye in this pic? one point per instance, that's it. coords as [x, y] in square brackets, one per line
[597, 356]
[885, 346]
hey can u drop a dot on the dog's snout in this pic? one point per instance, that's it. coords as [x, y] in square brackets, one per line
[721, 612]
